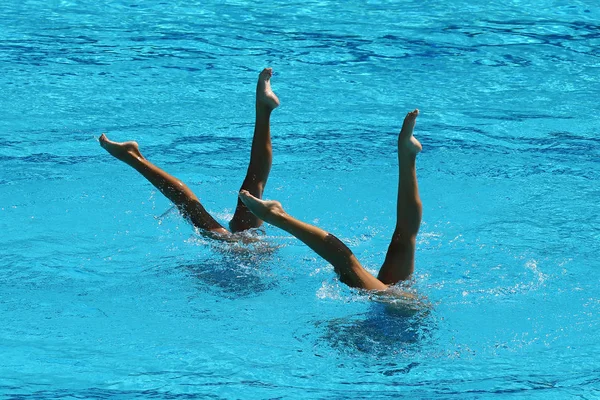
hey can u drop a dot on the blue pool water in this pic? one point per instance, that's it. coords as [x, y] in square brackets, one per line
[104, 292]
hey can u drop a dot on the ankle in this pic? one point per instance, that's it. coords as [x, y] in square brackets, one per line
[263, 111]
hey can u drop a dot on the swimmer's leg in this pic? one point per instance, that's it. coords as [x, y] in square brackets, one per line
[399, 262]
[324, 244]
[175, 190]
[261, 154]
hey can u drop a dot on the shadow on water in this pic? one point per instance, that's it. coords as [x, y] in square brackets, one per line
[235, 270]
[386, 329]
[239, 266]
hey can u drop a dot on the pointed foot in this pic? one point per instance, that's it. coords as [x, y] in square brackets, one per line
[265, 98]
[124, 151]
[406, 141]
[267, 210]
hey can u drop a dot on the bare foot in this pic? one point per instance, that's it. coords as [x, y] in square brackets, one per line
[406, 140]
[268, 210]
[125, 151]
[264, 95]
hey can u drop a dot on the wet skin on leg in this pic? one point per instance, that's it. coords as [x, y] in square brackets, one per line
[261, 154]
[350, 271]
[175, 190]
[183, 198]
[399, 263]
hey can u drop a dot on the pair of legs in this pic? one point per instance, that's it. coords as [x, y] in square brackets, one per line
[400, 258]
[186, 201]
[251, 210]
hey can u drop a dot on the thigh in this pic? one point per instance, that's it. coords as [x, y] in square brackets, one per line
[200, 218]
[399, 261]
[243, 219]
[347, 266]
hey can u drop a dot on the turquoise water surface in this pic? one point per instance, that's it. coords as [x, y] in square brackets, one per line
[106, 292]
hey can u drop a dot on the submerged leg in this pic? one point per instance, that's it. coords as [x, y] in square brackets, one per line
[175, 190]
[399, 262]
[261, 154]
[324, 244]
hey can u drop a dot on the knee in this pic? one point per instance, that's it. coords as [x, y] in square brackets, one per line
[341, 250]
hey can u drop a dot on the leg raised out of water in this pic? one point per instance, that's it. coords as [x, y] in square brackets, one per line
[350, 271]
[261, 154]
[399, 262]
[175, 190]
